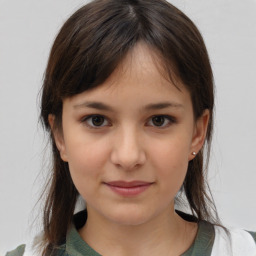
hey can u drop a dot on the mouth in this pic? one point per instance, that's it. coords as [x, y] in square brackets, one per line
[128, 189]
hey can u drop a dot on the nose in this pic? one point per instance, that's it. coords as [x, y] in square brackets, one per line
[128, 152]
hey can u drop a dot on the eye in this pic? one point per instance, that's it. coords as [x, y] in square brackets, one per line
[161, 121]
[95, 121]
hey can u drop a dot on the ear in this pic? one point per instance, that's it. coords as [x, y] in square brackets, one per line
[58, 138]
[199, 134]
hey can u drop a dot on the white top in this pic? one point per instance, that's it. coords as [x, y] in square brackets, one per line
[241, 243]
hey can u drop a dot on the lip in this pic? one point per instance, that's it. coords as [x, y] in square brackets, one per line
[128, 188]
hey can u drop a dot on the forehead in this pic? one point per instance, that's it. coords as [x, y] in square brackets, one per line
[141, 62]
[141, 78]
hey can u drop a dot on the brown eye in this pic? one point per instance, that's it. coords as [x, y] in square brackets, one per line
[158, 120]
[97, 120]
[162, 121]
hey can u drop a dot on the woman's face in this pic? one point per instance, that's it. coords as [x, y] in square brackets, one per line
[128, 142]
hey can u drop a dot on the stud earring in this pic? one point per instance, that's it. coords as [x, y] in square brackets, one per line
[193, 153]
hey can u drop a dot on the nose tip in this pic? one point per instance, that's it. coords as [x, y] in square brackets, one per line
[128, 160]
[128, 154]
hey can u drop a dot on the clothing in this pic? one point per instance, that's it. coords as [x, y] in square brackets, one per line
[210, 241]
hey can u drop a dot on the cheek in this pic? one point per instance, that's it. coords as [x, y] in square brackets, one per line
[170, 159]
[83, 149]
[86, 159]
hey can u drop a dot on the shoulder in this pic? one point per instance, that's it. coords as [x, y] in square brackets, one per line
[236, 241]
[253, 234]
[19, 251]
[23, 250]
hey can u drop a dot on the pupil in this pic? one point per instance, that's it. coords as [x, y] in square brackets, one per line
[158, 120]
[97, 120]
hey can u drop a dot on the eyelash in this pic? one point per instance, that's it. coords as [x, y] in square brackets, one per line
[170, 119]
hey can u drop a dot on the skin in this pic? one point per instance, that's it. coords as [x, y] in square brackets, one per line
[130, 144]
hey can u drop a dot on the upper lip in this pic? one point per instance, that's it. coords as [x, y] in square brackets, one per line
[128, 184]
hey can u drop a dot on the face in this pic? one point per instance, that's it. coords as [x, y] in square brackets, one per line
[128, 142]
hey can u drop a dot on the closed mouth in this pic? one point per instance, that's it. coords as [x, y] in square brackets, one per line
[128, 184]
[128, 189]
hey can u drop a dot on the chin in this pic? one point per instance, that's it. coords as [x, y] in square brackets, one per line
[130, 217]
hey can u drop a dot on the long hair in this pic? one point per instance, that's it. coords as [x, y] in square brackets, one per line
[87, 49]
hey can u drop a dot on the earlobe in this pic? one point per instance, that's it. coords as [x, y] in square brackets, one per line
[199, 135]
[58, 138]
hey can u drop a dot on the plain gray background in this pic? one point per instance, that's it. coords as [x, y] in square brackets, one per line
[27, 30]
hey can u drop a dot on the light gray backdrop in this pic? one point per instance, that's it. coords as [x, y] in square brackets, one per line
[27, 30]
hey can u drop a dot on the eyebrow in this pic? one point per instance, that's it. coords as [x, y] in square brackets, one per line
[152, 106]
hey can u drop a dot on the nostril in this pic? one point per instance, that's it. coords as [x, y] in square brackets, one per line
[128, 161]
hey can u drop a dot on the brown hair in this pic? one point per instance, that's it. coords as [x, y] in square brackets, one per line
[88, 48]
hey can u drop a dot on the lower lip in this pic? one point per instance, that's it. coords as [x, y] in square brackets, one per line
[130, 191]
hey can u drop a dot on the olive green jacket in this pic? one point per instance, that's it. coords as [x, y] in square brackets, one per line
[210, 241]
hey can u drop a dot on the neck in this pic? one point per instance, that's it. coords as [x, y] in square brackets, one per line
[166, 234]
